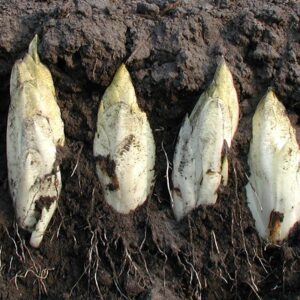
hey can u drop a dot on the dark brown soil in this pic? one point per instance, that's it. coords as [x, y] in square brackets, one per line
[171, 49]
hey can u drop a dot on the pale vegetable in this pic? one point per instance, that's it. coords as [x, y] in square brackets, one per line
[200, 160]
[123, 146]
[34, 130]
[274, 158]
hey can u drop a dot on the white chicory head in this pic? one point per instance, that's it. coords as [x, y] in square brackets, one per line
[123, 146]
[200, 160]
[34, 130]
[274, 158]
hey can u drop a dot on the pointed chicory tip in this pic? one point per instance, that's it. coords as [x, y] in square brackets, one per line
[269, 97]
[271, 92]
[122, 70]
[122, 75]
[33, 49]
[222, 61]
[222, 70]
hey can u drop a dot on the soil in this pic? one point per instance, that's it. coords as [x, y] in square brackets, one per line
[171, 49]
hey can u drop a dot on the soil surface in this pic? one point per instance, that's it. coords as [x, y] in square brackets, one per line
[171, 49]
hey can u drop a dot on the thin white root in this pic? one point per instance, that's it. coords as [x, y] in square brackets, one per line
[167, 174]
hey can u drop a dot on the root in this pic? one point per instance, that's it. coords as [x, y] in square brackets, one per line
[92, 267]
[1, 264]
[99, 239]
[137, 49]
[10, 264]
[31, 266]
[191, 238]
[262, 261]
[141, 253]
[215, 241]
[77, 160]
[194, 272]
[128, 259]
[167, 174]
[252, 282]
[40, 275]
[132, 265]
[214, 244]
[61, 225]
[21, 256]
[92, 264]
[116, 278]
[119, 290]
[163, 254]
[189, 268]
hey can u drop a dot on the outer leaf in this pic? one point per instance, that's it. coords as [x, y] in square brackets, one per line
[34, 130]
[184, 164]
[123, 146]
[200, 159]
[274, 158]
